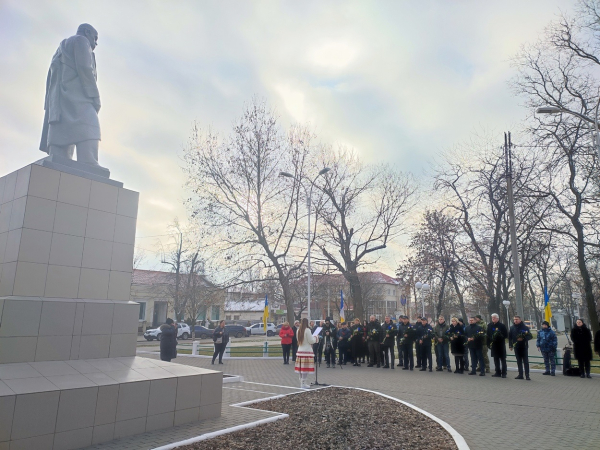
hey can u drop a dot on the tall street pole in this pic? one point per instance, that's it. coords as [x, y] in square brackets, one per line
[513, 228]
[308, 211]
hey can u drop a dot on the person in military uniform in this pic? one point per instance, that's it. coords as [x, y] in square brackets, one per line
[389, 332]
[373, 340]
[343, 337]
[486, 358]
[329, 342]
[406, 334]
[424, 339]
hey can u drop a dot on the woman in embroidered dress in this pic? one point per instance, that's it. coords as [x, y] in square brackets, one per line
[305, 358]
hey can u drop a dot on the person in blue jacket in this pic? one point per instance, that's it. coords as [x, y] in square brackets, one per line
[546, 343]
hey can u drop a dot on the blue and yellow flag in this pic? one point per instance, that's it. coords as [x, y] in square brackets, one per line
[266, 312]
[342, 312]
[547, 310]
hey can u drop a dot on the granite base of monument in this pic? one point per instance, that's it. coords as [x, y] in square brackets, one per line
[69, 377]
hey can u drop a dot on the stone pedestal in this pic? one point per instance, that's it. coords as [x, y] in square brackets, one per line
[68, 331]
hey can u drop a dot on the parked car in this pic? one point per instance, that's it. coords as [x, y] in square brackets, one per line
[183, 332]
[237, 331]
[258, 329]
[202, 332]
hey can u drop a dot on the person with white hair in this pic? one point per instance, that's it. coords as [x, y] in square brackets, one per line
[496, 341]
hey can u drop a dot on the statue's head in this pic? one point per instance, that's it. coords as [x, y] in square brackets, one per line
[85, 29]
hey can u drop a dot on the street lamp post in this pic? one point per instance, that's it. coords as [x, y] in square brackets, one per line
[308, 205]
[506, 304]
[595, 132]
[424, 287]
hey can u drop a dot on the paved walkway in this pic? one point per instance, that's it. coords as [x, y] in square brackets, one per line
[547, 412]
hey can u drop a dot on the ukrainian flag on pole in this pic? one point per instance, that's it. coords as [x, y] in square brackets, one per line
[342, 312]
[266, 312]
[547, 310]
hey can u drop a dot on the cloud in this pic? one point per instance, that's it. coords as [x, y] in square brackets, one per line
[398, 81]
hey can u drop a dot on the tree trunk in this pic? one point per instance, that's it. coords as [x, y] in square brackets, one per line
[587, 281]
[356, 294]
[461, 298]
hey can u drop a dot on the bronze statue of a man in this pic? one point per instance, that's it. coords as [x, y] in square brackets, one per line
[72, 100]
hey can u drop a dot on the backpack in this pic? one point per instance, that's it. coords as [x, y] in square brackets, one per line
[568, 370]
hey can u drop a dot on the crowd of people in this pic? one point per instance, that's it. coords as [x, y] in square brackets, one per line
[388, 345]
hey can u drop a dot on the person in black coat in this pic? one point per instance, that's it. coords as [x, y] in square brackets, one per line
[220, 339]
[417, 326]
[374, 338]
[518, 338]
[168, 340]
[475, 336]
[456, 334]
[496, 341]
[582, 347]
[295, 339]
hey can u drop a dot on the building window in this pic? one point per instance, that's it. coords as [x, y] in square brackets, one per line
[214, 314]
[228, 317]
[142, 311]
[236, 317]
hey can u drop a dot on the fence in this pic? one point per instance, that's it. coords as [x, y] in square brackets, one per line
[247, 351]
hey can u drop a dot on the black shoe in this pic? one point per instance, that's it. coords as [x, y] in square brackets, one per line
[552, 374]
[496, 375]
[519, 377]
[482, 374]
[355, 364]
[328, 365]
[405, 368]
[527, 378]
[387, 366]
[456, 371]
[503, 375]
[411, 368]
[220, 362]
[212, 362]
[438, 369]
[546, 373]
[423, 369]
[369, 365]
[472, 373]
[588, 376]
[418, 366]
[430, 369]
[449, 369]
[582, 375]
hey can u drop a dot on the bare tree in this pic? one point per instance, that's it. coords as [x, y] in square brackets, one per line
[557, 71]
[366, 208]
[250, 214]
[175, 259]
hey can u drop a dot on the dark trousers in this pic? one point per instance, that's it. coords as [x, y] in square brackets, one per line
[477, 358]
[459, 362]
[407, 352]
[500, 364]
[374, 352]
[522, 355]
[318, 351]
[400, 356]
[330, 354]
[356, 344]
[426, 356]
[466, 360]
[388, 353]
[343, 352]
[219, 350]
[285, 348]
[584, 366]
[418, 352]
[294, 349]
[442, 354]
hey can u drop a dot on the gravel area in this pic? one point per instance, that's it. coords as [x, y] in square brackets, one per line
[336, 418]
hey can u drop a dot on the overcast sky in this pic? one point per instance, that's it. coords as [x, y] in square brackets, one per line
[398, 81]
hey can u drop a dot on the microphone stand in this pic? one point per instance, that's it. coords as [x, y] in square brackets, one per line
[316, 383]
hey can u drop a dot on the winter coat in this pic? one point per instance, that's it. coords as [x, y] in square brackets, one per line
[388, 334]
[472, 331]
[407, 330]
[440, 330]
[374, 331]
[457, 345]
[286, 334]
[343, 336]
[331, 338]
[295, 338]
[546, 340]
[582, 340]
[514, 331]
[497, 346]
[221, 332]
[425, 335]
[168, 341]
